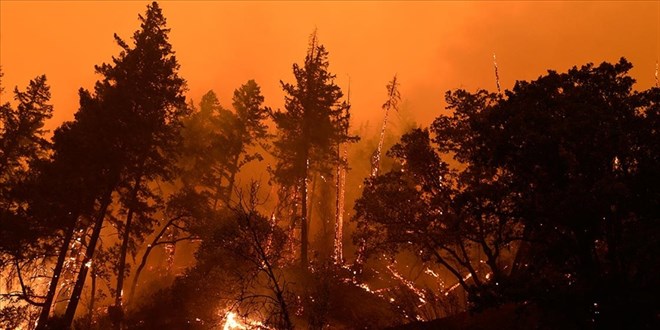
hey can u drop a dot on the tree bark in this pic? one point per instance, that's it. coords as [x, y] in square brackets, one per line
[42, 323]
[121, 267]
[90, 306]
[89, 254]
[145, 256]
[304, 236]
[339, 207]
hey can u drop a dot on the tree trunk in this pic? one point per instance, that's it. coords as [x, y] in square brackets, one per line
[90, 306]
[145, 256]
[42, 323]
[232, 179]
[89, 254]
[292, 210]
[310, 201]
[392, 100]
[303, 223]
[121, 267]
[339, 208]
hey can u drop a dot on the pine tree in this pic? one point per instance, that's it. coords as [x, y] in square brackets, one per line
[393, 99]
[250, 128]
[22, 138]
[23, 150]
[206, 148]
[143, 96]
[309, 129]
[77, 185]
[218, 141]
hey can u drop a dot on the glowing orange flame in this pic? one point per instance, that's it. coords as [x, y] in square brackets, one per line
[234, 321]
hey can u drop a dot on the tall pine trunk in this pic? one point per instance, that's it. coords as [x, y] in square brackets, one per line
[339, 208]
[310, 199]
[121, 267]
[393, 99]
[89, 254]
[42, 323]
[304, 235]
[92, 298]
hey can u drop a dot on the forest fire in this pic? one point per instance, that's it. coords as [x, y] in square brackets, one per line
[279, 204]
[232, 321]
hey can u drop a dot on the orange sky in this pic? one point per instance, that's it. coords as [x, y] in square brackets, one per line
[433, 46]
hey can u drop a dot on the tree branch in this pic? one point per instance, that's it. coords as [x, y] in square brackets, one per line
[25, 296]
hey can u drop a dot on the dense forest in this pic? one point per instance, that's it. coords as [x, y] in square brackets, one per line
[535, 207]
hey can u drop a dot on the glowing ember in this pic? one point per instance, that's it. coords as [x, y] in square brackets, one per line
[170, 249]
[453, 287]
[339, 212]
[269, 239]
[392, 102]
[409, 284]
[365, 287]
[497, 74]
[233, 321]
[431, 272]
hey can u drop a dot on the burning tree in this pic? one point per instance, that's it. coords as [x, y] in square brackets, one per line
[308, 131]
[392, 103]
[417, 207]
[541, 204]
[145, 81]
[238, 276]
[123, 137]
[568, 152]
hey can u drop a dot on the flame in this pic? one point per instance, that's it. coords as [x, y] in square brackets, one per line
[234, 321]
[497, 74]
[339, 212]
[392, 103]
[453, 287]
[409, 284]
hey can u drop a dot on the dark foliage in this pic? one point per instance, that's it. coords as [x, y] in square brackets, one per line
[565, 167]
[532, 208]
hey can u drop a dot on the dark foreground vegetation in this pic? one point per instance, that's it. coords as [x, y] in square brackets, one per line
[536, 207]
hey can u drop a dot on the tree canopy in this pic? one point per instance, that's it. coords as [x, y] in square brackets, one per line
[553, 168]
[534, 207]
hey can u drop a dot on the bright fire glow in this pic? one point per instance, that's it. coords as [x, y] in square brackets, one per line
[233, 321]
[453, 287]
[409, 284]
[339, 212]
[497, 74]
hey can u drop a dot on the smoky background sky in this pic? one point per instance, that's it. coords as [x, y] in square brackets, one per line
[432, 46]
